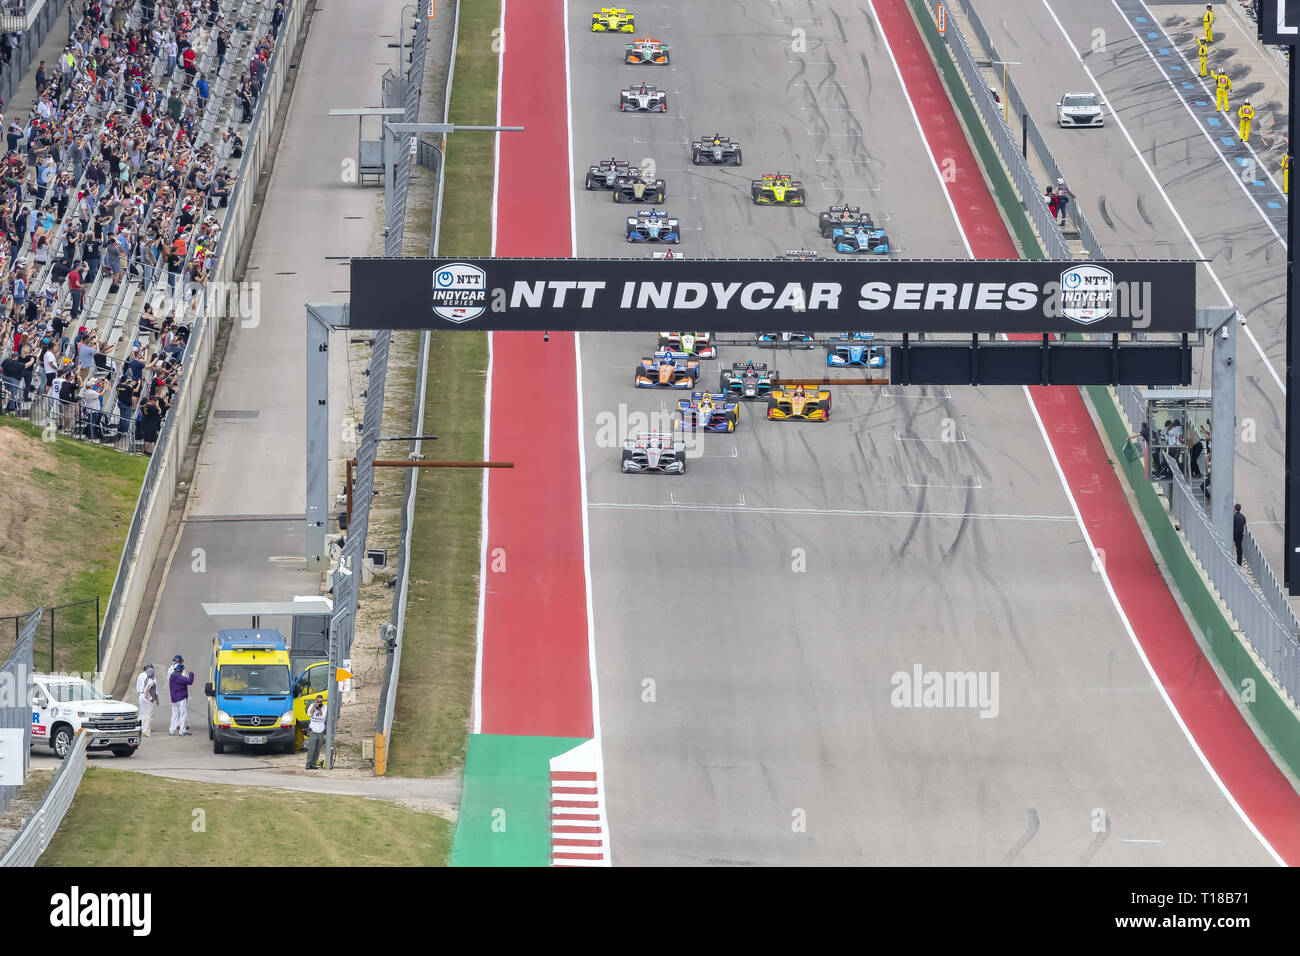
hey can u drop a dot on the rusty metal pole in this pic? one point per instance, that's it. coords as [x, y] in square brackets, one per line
[351, 464]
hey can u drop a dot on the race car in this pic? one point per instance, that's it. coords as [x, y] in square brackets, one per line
[613, 20]
[643, 99]
[852, 350]
[710, 412]
[698, 344]
[842, 216]
[646, 50]
[861, 240]
[654, 451]
[715, 150]
[649, 226]
[812, 405]
[667, 369]
[604, 174]
[750, 380]
[634, 188]
[776, 340]
[776, 189]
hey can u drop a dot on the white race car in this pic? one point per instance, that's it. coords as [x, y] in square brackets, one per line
[654, 451]
[643, 99]
[1079, 109]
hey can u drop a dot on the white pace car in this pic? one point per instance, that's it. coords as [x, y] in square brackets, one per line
[1080, 109]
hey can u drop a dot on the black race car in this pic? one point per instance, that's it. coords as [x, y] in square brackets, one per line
[842, 216]
[715, 150]
[635, 188]
[749, 380]
[602, 175]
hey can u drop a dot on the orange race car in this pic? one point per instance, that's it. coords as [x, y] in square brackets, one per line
[646, 50]
[667, 369]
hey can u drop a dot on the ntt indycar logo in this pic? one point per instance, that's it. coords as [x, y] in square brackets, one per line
[460, 292]
[1087, 294]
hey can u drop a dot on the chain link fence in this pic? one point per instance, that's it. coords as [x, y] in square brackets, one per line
[71, 629]
[15, 679]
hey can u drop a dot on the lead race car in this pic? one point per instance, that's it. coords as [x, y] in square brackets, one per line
[667, 369]
[812, 405]
[710, 412]
[776, 189]
[715, 150]
[646, 50]
[636, 188]
[855, 350]
[654, 451]
[842, 216]
[643, 98]
[698, 344]
[650, 226]
[604, 174]
[748, 380]
[860, 239]
[613, 20]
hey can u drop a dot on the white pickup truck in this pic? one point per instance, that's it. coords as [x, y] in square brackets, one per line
[63, 705]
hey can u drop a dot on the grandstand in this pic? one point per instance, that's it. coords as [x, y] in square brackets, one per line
[112, 198]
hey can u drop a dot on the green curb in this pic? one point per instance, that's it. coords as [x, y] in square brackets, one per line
[505, 810]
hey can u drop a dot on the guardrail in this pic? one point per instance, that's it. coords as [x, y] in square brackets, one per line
[35, 836]
[150, 517]
[393, 666]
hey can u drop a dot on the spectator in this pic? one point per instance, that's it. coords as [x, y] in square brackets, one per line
[75, 291]
[147, 425]
[203, 89]
[126, 398]
[91, 407]
[1062, 199]
[1238, 530]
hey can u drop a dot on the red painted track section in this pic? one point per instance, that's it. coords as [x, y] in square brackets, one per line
[535, 678]
[1237, 756]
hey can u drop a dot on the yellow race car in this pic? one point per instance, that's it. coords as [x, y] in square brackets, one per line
[776, 189]
[812, 405]
[613, 20]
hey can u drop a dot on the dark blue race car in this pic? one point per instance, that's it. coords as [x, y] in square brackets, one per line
[861, 240]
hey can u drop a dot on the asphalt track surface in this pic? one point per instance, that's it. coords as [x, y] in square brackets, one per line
[771, 686]
[1132, 219]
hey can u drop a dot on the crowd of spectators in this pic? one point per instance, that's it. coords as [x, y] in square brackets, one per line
[108, 180]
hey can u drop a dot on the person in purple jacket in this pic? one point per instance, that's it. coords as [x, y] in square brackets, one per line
[179, 685]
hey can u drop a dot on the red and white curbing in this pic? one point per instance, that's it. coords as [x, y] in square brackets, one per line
[579, 832]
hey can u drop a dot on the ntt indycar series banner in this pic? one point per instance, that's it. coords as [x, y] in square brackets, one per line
[745, 295]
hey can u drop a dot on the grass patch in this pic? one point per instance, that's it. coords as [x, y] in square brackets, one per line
[121, 818]
[431, 719]
[66, 511]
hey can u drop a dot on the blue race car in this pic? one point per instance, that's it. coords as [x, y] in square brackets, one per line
[860, 239]
[850, 351]
[651, 226]
[709, 411]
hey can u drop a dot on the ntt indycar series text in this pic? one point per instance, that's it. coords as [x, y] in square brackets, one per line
[727, 295]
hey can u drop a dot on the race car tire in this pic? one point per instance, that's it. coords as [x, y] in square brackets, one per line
[695, 158]
[737, 161]
[661, 194]
[754, 193]
[663, 106]
[618, 195]
[592, 183]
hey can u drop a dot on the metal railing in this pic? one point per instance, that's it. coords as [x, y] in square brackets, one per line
[38, 20]
[1273, 638]
[35, 836]
[15, 709]
[1005, 141]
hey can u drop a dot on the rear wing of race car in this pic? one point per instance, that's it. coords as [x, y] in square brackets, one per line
[656, 440]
